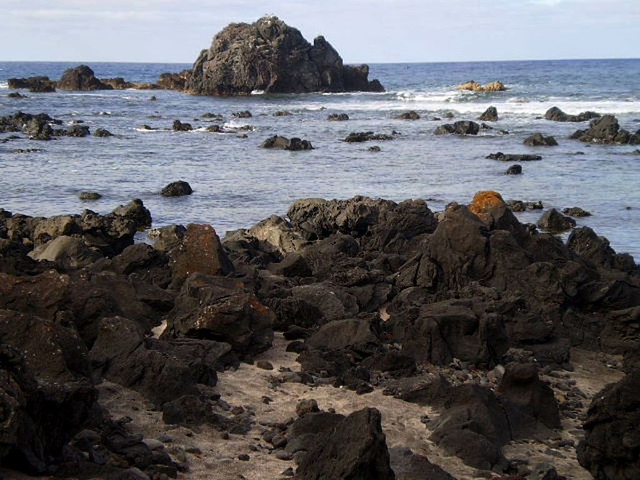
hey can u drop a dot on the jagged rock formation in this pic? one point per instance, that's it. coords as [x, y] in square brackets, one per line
[271, 56]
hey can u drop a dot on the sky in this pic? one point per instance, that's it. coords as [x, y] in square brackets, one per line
[372, 31]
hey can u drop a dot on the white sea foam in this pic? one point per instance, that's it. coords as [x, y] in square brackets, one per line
[4, 85]
[257, 92]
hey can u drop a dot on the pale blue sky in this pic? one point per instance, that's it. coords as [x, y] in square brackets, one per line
[361, 30]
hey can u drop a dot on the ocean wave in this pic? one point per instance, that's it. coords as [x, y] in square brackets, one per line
[4, 85]
[257, 92]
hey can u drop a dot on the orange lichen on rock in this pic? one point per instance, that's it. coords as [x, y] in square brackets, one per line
[488, 87]
[485, 201]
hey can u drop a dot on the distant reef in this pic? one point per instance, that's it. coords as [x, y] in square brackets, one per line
[267, 56]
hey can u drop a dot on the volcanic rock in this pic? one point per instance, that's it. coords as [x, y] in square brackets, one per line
[358, 137]
[489, 115]
[537, 139]
[176, 189]
[611, 448]
[354, 448]
[273, 57]
[338, 117]
[80, 78]
[514, 170]
[411, 115]
[510, 157]
[606, 130]
[283, 143]
[39, 84]
[557, 115]
[554, 222]
[462, 127]
[476, 87]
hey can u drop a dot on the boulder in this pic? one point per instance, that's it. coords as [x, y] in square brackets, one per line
[283, 143]
[80, 78]
[408, 465]
[611, 447]
[596, 249]
[554, 222]
[270, 56]
[462, 127]
[537, 140]
[410, 115]
[176, 189]
[514, 170]
[557, 115]
[174, 81]
[476, 87]
[359, 137]
[101, 132]
[489, 115]
[89, 196]
[215, 308]
[606, 130]
[178, 126]
[522, 387]
[200, 251]
[68, 253]
[576, 212]
[40, 84]
[510, 157]
[355, 334]
[354, 448]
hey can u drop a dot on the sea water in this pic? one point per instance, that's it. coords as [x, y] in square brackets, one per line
[236, 183]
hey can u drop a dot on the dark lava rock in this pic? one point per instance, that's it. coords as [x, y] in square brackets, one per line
[271, 56]
[554, 222]
[39, 84]
[89, 196]
[514, 170]
[537, 140]
[176, 189]
[411, 115]
[242, 114]
[375, 148]
[509, 157]
[520, 206]
[282, 113]
[178, 126]
[576, 212]
[79, 131]
[80, 78]
[463, 127]
[213, 308]
[38, 126]
[136, 211]
[67, 253]
[173, 81]
[357, 137]
[101, 132]
[338, 117]
[522, 387]
[611, 448]
[596, 249]
[355, 448]
[557, 115]
[408, 465]
[474, 426]
[489, 115]
[606, 130]
[283, 143]
[16, 95]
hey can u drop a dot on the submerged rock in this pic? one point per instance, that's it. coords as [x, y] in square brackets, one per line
[554, 222]
[40, 84]
[537, 139]
[463, 127]
[271, 56]
[338, 117]
[557, 115]
[357, 137]
[510, 157]
[282, 143]
[411, 115]
[514, 170]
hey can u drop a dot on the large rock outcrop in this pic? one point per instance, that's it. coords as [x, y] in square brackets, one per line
[271, 56]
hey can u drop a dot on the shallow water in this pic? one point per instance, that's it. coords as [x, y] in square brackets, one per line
[236, 183]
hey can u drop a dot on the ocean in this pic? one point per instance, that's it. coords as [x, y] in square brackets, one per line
[236, 183]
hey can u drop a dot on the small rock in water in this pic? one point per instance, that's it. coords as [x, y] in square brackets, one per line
[243, 114]
[554, 222]
[338, 117]
[375, 148]
[282, 113]
[539, 140]
[89, 196]
[178, 126]
[489, 115]
[410, 115]
[576, 212]
[101, 132]
[514, 170]
[176, 189]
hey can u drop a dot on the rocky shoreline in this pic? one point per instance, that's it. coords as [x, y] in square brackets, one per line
[283, 350]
